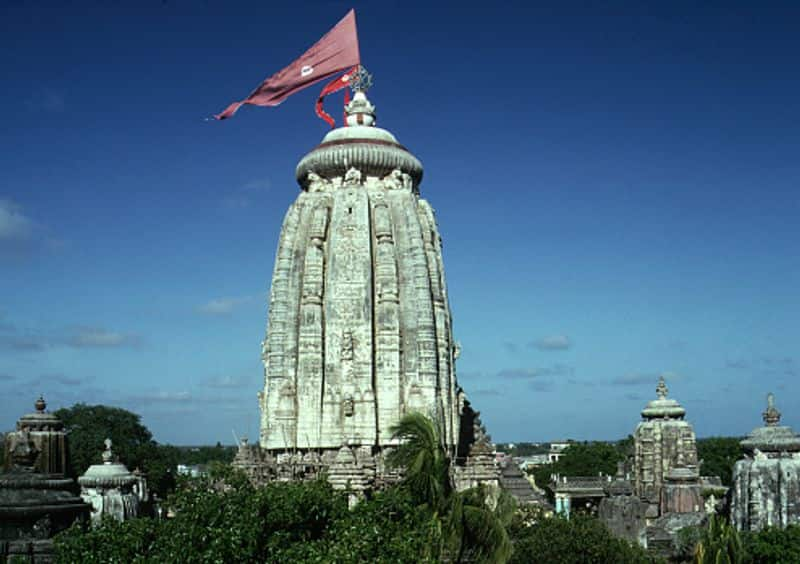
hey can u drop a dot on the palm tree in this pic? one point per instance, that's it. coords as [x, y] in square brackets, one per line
[467, 528]
[719, 544]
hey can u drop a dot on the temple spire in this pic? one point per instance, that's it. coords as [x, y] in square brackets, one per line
[661, 388]
[771, 416]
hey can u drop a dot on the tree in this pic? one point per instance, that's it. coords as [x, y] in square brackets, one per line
[718, 455]
[719, 544]
[584, 459]
[773, 545]
[465, 526]
[223, 518]
[89, 425]
[580, 540]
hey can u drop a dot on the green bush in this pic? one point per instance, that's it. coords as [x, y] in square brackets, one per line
[773, 545]
[580, 540]
[231, 521]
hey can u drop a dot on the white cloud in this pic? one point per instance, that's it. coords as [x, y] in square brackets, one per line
[247, 194]
[14, 225]
[553, 343]
[228, 382]
[223, 306]
[86, 337]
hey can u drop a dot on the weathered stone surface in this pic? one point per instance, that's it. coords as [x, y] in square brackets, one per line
[35, 505]
[112, 490]
[766, 491]
[682, 490]
[659, 440]
[47, 433]
[359, 330]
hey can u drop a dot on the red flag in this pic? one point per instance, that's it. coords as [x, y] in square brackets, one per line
[333, 86]
[335, 52]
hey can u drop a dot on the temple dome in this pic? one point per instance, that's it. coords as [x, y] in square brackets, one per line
[772, 437]
[359, 144]
[663, 407]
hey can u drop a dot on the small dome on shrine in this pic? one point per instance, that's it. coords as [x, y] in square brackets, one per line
[772, 437]
[663, 407]
[361, 145]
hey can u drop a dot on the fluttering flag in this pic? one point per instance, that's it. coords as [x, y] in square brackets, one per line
[333, 86]
[336, 52]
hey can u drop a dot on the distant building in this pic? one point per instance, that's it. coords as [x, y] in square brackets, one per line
[526, 463]
[557, 449]
[192, 470]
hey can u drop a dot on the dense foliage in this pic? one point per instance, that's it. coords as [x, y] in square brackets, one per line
[719, 543]
[584, 459]
[718, 455]
[470, 526]
[89, 425]
[580, 540]
[281, 522]
[769, 546]
[773, 546]
[205, 454]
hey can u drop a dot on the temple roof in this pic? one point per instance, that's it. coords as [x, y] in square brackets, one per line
[663, 407]
[110, 473]
[40, 420]
[361, 145]
[772, 437]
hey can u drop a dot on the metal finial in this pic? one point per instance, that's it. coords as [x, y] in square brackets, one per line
[661, 388]
[40, 404]
[361, 80]
[771, 415]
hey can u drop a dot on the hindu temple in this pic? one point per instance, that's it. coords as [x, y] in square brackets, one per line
[766, 482]
[37, 500]
[359, 327]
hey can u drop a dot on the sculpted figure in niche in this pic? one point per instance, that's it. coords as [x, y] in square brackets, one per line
[348, 406]
[352, 176]
[316, 183]
[393, 180]
[347, 346]
[23, 451]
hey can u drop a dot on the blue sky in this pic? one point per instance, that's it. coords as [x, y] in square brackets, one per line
[616, 184]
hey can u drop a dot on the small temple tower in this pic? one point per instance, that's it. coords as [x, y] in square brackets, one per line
[766, 490]
[48, 435]
[359, 331]
[111, 489]
[37, 501]
[661, 439]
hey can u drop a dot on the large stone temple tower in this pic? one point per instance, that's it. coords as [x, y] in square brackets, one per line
[359, 330]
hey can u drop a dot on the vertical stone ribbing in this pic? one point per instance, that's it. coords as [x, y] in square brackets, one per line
[430, 238]
[349, 400]
[277, 377]
[387, 327]
[427, 375]
[310, 360]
